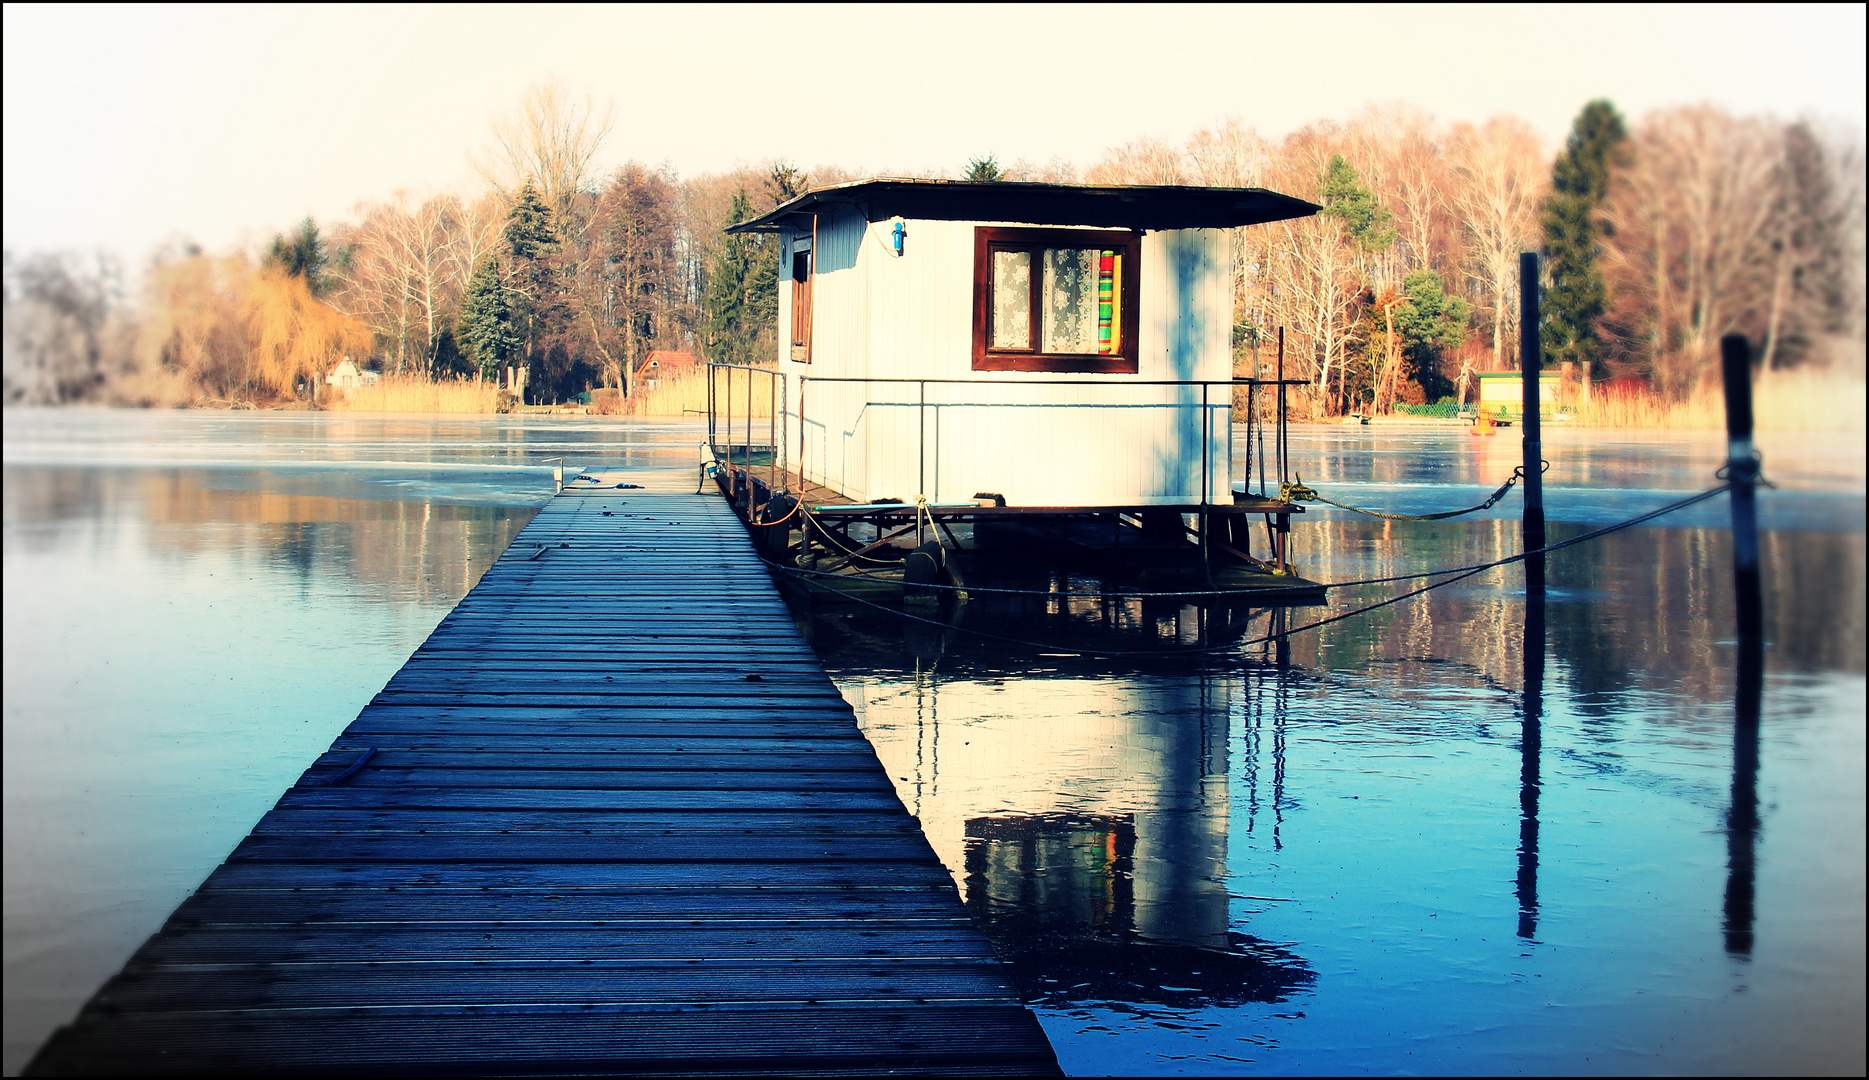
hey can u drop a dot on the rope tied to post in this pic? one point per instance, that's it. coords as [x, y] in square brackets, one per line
[1745, 471]
[1298, 492]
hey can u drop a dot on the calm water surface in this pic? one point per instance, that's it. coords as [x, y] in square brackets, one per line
[1352, 862]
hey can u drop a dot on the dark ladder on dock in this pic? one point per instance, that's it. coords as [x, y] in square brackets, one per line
[612, 818]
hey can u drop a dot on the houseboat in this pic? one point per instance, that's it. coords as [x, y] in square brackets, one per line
[972, 368]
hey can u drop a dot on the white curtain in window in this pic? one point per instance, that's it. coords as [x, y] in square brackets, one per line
[1012, 300]
[1069, 298]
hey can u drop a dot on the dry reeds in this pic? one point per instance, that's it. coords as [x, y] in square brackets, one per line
[687, 394]
[1802, 399]
[414, 394]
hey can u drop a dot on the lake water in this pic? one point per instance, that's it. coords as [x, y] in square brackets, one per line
[1200, 863]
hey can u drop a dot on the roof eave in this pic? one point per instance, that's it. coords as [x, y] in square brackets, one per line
[1134, 207]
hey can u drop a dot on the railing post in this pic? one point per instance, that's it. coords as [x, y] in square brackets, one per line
[1279, 440]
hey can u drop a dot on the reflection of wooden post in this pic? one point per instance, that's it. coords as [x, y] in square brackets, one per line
[1531, 744]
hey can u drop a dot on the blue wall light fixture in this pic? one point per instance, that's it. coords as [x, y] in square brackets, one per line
[901, 231]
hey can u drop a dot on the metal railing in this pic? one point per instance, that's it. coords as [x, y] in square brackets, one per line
[725, 418]
[1206, 406]
[720, 419]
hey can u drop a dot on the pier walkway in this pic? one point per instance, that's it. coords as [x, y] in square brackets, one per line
[611, 818]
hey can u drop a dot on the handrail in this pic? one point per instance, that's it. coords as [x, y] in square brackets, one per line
[778, 439]
[1237, 380]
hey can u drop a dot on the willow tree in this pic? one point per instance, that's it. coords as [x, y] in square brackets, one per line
[296, 336]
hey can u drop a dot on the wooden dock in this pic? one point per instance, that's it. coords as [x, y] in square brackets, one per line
[611, 818]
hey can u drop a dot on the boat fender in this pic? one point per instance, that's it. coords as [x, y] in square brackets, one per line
[926, 565]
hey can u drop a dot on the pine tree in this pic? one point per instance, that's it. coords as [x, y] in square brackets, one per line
[1580, 178]
[531, 240]
[984, 168]
[487, 335]
[304, 255]
[1344, 197]
[742, 293]
[528, 231]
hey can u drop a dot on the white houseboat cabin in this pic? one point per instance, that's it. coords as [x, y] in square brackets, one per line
[1058, 345]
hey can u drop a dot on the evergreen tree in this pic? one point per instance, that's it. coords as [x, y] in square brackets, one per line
[303, 254]
[1576, 295]
[528, 233]
[1344, 197]
[531, 240]
[786, 183]
[1429, 323]
[742, 294]
[984, 169]
[487, 335]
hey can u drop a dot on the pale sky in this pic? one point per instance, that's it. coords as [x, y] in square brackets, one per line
[125, 127]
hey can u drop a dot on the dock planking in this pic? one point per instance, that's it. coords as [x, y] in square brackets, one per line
[611, 818]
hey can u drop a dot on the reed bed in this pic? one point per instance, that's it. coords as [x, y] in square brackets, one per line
[1802, 399]
[414, 394]
[687, 395]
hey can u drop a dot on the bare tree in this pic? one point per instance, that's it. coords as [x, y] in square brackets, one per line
[1145, 161]
[405, 278]
[57, 309]
[553, 139]
[1689, 248]
[1499, 181]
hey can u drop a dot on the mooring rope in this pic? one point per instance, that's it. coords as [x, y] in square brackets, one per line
[1298, 492]
[1458, 574]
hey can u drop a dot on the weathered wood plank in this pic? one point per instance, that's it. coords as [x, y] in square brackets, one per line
[602, 779]
[750, 942]
[610, 818]
[518, 910]
[722, 878]
[750, 800]
[593, 848]
[809, 1039]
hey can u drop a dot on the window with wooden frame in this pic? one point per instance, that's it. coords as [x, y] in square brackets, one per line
[801, 301]
[1055, 300]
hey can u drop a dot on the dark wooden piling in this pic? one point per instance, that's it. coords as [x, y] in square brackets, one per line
[1530, 363]
[1742, 471]
[611, 818]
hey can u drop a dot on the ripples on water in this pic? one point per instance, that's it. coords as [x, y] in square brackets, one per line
[1346, 863]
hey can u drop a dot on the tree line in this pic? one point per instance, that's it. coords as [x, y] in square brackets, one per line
[1660, 237]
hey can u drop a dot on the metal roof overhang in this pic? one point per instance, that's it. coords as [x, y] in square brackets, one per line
[1127, 207]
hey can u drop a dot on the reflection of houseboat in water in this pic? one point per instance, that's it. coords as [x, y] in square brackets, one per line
[1087, 831]
[970, 371]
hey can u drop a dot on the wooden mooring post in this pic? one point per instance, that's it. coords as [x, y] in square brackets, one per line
[1530, 361]
[1742, 471]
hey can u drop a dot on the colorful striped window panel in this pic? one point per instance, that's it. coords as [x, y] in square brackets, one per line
[1109, 302]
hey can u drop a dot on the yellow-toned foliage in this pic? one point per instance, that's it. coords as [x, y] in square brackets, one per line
[688, 395]
[193, 340]
[1801, 399]
[297, 337]
[415, 394]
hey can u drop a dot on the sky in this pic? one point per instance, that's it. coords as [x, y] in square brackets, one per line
[130, 127]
